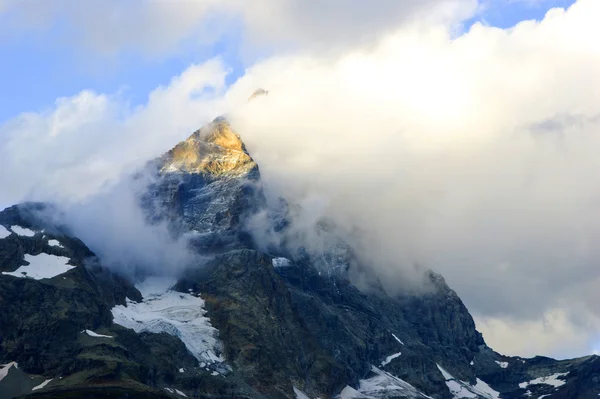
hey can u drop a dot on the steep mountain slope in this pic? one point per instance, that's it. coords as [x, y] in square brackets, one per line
[248, 322]
[207, 184]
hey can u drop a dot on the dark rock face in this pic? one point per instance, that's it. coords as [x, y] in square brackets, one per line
[42, 323]
[286, 326]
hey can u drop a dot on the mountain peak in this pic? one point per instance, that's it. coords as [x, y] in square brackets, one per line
[215, 149]
[257, 93]
[220, 133]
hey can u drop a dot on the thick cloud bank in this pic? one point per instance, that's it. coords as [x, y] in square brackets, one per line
[472, 155]
[475, 156]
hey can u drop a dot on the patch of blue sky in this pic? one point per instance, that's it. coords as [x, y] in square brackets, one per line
[508, 13]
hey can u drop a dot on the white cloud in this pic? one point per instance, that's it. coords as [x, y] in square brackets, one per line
[327, 24]
[90, 139]
[475, 156]
[162, 27]
[552, 333]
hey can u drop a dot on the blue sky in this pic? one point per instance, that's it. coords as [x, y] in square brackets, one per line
[507, 13]
[39, 66]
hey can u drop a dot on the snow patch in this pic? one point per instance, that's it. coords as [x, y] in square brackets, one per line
[95, 335]
[460, 389]
[55, 243]
[447, 376]
[281, 262]
[350, 393]
[3, 232]
[177, 391]
[502, 364]
[390, 358]
[397, 339]
[22, 231]
[181, 370]
[382, 385]
[42, 385]
[299, 394]
[548, 380]
[4, 368]
[486, 390]
[42, 266]
[179, 314]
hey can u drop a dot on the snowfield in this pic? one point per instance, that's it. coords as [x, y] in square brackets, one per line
[22, 231]
[163, 310]
[4, 232]
[42, 266]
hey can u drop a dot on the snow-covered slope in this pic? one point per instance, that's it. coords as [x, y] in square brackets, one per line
[42, 266]
[163, 310]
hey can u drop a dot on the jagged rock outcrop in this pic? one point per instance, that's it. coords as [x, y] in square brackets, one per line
[207, 185]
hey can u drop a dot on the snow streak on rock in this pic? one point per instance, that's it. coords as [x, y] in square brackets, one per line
[5, 368]
[299, 394]
[42, 385]
[460, 389]
[381, 385]
[95, 335]
[390, 358]
[177, 391]
[397, 339]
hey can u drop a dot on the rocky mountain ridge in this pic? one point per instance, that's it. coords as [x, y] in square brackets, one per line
[249, 322]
